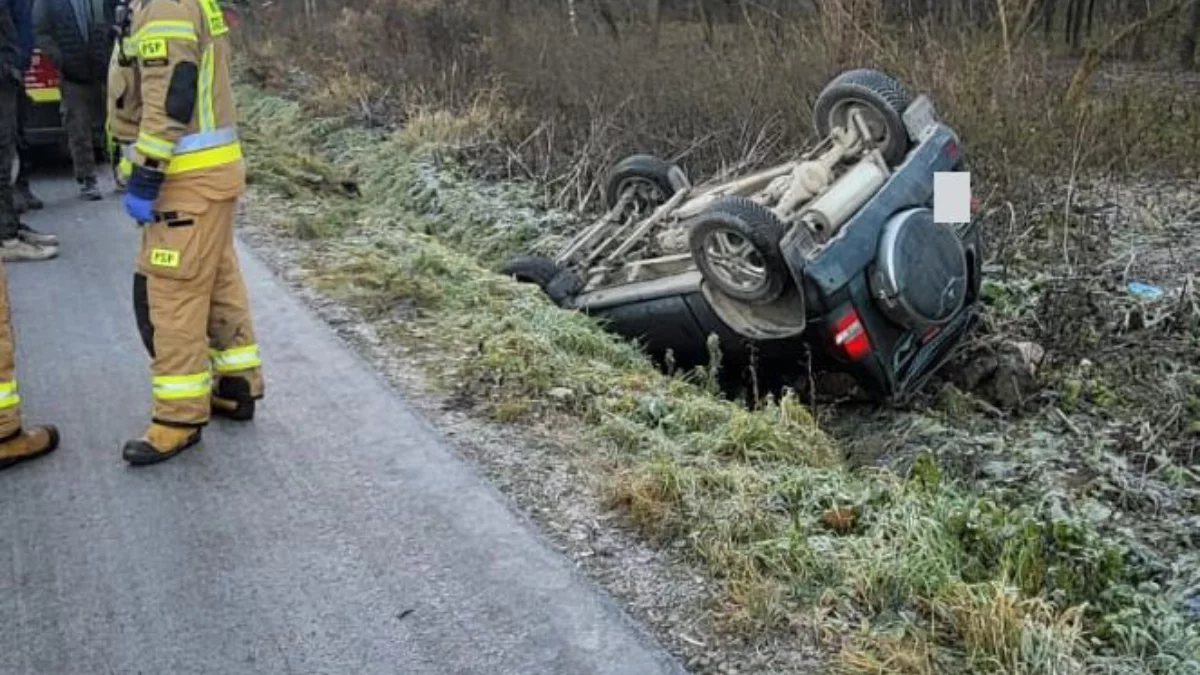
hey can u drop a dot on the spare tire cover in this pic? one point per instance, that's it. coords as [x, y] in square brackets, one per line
[922, 269]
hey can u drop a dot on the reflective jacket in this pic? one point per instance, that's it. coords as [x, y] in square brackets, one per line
[186, 120]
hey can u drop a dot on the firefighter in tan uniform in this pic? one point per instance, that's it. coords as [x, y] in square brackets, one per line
[16, 443]
[124, 106]
[187, 173]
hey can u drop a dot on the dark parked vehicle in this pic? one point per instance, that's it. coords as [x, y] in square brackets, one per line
[833, 256]
[44, 125]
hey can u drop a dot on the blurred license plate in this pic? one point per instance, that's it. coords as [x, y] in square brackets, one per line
[920, 116]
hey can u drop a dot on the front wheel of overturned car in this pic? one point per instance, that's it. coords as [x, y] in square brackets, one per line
[559, 284]
[735, 245]
[878, 98]
[648, 181]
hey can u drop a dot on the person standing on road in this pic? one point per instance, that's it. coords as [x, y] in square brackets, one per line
[124, 108]
[17, 444]
[17, 240]
[23, 18]
[187, 174]
[77, 36]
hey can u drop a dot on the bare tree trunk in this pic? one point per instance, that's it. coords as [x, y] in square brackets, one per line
[1090, 12]
[1074, 23]
[1139, 9]
[655, 21]
[605, 10]
[706, 20]
[1048, 7]
[1191, 36]
[573, 17]
[1071, 19]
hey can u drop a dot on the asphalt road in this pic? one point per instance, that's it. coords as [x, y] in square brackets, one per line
[335, 534]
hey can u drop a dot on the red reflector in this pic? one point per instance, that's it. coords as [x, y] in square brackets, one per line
[952, 150]
[42, 72]
[850, 336]
[975, 204]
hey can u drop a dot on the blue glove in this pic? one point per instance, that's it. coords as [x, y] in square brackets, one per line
[138, 208]
[140, 193]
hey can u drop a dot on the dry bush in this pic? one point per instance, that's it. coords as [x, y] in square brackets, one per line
[742, 92]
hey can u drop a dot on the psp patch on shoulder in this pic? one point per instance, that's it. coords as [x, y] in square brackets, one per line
[164, 257]
[152, 49]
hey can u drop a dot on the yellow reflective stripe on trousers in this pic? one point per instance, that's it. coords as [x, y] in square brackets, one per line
[236, 359]
[153, 146]
[167, 30]
[205, 159]
[208, 120]
[8, 394]
[174, 387]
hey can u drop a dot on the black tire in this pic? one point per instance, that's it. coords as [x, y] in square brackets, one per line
[530, 269]
[564, 286]
[756, 225]
[558, 284]
[648, 170]
[880, 93]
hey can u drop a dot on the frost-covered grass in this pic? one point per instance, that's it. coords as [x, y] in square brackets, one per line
[918, 569]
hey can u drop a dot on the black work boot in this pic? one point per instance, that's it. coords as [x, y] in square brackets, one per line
[90, 190]
[159, 443]
[232, 399]
[28, 444]
[24, 199]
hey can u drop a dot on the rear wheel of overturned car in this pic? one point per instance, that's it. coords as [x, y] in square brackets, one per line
[557, 283]
[878, 98]
[735, 245]
[647, 180]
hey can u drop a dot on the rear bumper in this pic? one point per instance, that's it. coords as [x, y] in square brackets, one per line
[44, 126]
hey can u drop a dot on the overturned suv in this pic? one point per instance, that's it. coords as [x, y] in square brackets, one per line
[829, 262]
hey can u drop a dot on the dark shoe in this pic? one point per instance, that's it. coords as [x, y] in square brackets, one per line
[159, 443]
[19, 250]
[24, 200]
[232, 399]
[28, 444]
[90, 190]
[32, 236]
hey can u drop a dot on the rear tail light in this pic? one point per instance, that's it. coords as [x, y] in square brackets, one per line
[850, 336]
[42, 72]
[41, 80]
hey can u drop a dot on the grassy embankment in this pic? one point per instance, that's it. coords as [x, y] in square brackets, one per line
[920, 571]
